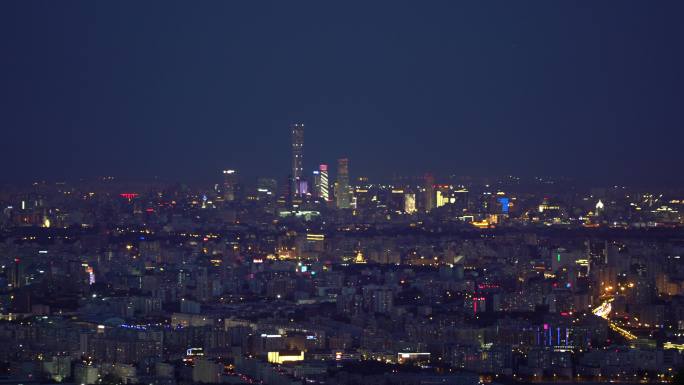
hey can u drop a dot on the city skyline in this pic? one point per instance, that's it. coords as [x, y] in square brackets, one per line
[357, 193]
[298, 175]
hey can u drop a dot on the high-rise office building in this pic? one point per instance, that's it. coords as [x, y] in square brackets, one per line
[267, 193]
[323, 191]
[409, 203]
[16, 274]
[267, 185]
[303, 187]
[229, 184]
[297, 157]
[343, 192]
[429, 192]
[316, 183]
[443, 195]
[395, 200]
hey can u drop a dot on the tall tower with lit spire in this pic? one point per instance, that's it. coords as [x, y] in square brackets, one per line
[297, 157]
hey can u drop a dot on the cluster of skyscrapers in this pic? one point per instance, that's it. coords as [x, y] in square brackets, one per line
[320, 177]
[339, 192]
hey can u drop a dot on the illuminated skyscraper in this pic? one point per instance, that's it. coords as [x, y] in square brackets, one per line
[343, 192]
[316, 183]
[229, 184]
[409, 203]
[297, 156]
[323, 192]
[16, 274]
[429, 192]
[442, 193]
[303, 187]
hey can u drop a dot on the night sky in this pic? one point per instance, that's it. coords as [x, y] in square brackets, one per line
[592, 89]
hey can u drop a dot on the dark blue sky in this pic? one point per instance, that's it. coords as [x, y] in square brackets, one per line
[590, 89]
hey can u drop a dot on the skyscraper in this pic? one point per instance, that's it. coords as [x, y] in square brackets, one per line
[429, 192]
[316, 183]
[229, 184]
[343, 192]
[267, 185]
[267, 193]
[16, 274]
[409, 203]
[297, 156]
[323, 192]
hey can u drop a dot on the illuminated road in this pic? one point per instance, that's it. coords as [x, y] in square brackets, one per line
[603, 311]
